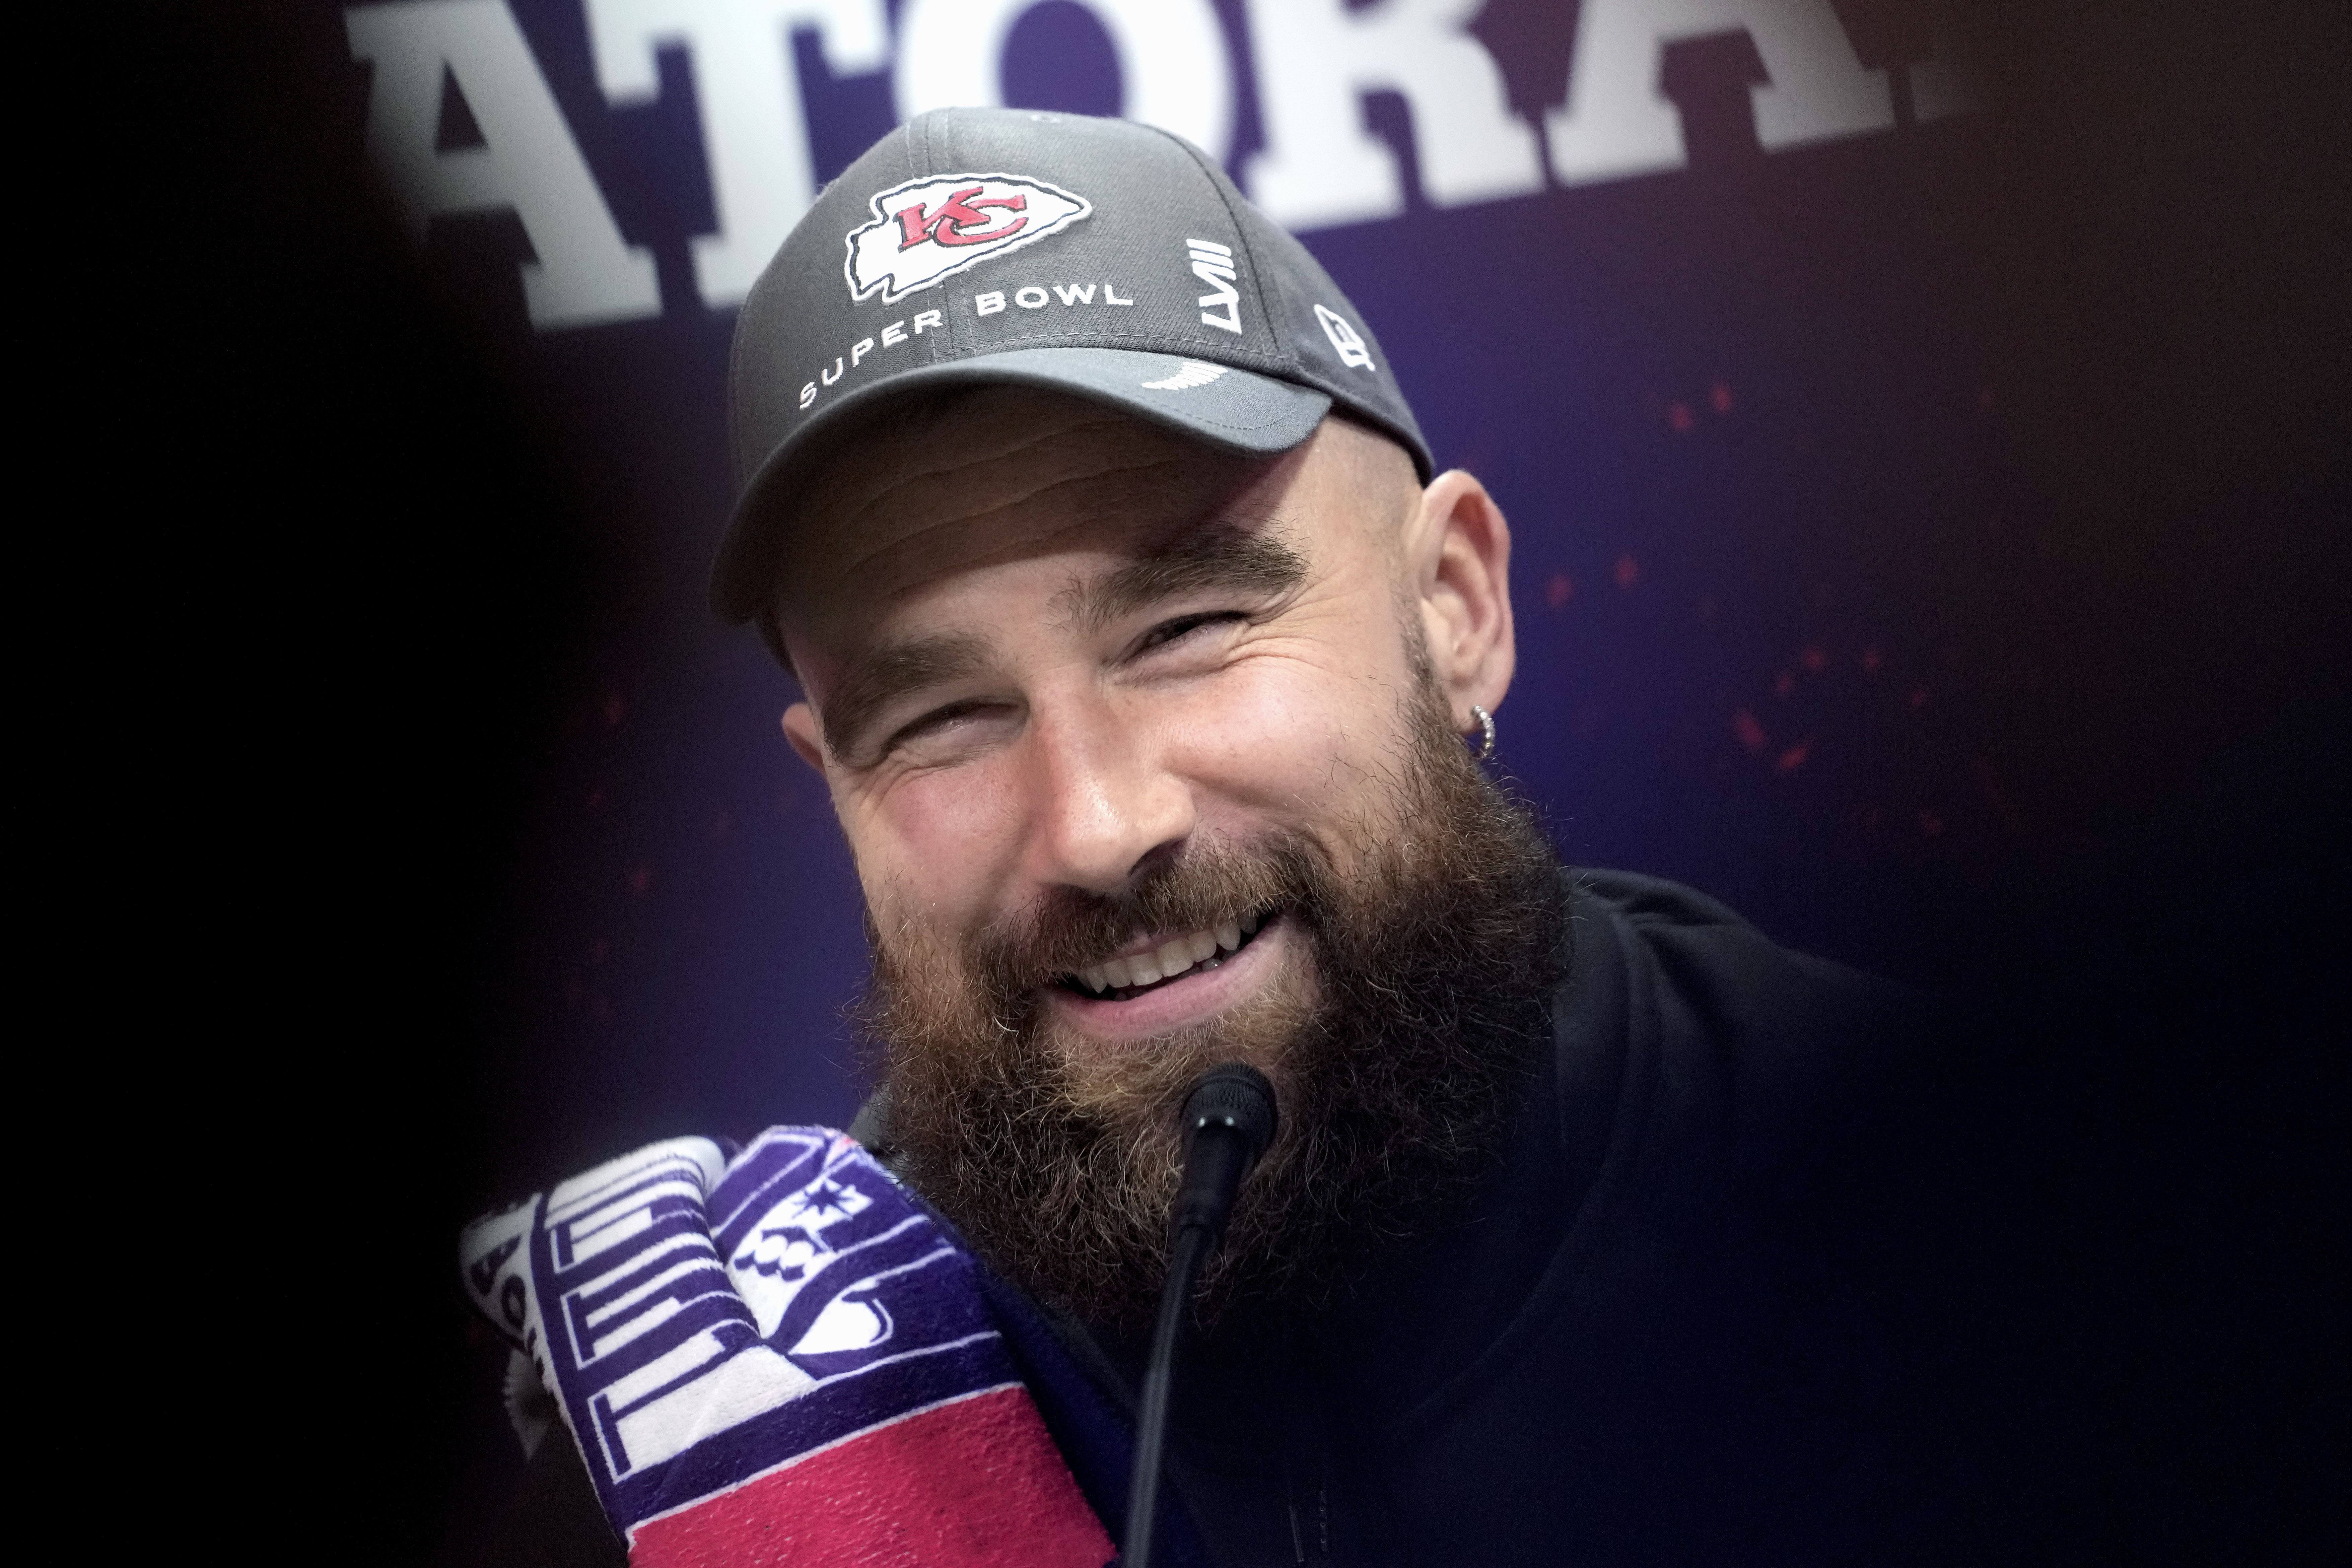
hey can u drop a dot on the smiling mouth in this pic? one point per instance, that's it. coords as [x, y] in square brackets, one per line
[1120, 979]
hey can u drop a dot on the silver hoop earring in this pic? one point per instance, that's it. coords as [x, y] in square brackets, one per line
[1486, 732]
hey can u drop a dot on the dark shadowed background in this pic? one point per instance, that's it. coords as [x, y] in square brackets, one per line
[1933, 542]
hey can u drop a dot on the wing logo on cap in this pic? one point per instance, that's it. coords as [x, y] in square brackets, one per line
[1189, 373]
[932, 229]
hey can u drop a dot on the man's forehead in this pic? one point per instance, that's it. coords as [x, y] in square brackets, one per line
[992, 477]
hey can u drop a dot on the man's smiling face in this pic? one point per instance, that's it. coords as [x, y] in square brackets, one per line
[1047, 646]
[1147, 756]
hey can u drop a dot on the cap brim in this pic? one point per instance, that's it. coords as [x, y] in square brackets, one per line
[1235, 410]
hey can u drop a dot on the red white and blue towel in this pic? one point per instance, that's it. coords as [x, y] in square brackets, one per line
[782, 1357]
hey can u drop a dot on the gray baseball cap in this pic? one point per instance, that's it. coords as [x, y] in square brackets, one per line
[1002, 245]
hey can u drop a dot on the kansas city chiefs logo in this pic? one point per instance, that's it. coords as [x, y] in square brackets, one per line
[929, 230]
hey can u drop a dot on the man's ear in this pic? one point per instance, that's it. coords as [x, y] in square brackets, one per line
[1458, 556]
[801, 729]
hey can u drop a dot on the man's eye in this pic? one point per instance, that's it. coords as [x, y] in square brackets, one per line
[1184, 627]
[937, 722]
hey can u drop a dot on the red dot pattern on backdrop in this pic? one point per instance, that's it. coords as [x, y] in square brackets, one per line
[1812, 660]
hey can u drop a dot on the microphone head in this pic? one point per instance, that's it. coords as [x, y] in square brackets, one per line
[1233, 1095]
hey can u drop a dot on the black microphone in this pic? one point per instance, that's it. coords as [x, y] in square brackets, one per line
[1228, 1122]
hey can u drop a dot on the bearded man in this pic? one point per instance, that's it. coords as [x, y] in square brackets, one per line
[1151, 667]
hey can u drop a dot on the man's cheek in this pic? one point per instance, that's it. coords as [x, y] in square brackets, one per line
[1283, 730]
[936, 841]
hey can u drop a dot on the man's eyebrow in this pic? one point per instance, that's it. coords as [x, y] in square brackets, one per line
[1216, 556]
[891, 671]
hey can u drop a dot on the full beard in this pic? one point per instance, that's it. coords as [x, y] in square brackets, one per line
[1401, 1044]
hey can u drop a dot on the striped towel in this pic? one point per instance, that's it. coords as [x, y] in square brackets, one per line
[780, 1358]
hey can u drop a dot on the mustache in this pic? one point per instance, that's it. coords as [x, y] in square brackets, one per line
[1069, 928]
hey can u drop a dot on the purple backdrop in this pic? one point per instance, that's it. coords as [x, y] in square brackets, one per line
[1930, 538]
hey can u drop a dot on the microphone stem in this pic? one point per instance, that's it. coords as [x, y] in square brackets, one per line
[1191, 1250]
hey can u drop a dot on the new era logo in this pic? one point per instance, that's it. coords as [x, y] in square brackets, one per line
[1344, 338]
[929, 230]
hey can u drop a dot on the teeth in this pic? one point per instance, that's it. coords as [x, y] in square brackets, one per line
[1174, 956]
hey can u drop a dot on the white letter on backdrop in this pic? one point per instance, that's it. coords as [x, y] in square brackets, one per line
[1315, 60]
[1172, 67]
[528, 161]
[1617, 123]
[754, 131]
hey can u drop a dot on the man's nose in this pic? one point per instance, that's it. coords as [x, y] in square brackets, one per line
[1103, 801]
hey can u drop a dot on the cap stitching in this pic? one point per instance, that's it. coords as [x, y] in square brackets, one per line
[1257, 272]
[735, 407]
[959, 337]
[1209, 348]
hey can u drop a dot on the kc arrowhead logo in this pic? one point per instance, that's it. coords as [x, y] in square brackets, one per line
[929, 230]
